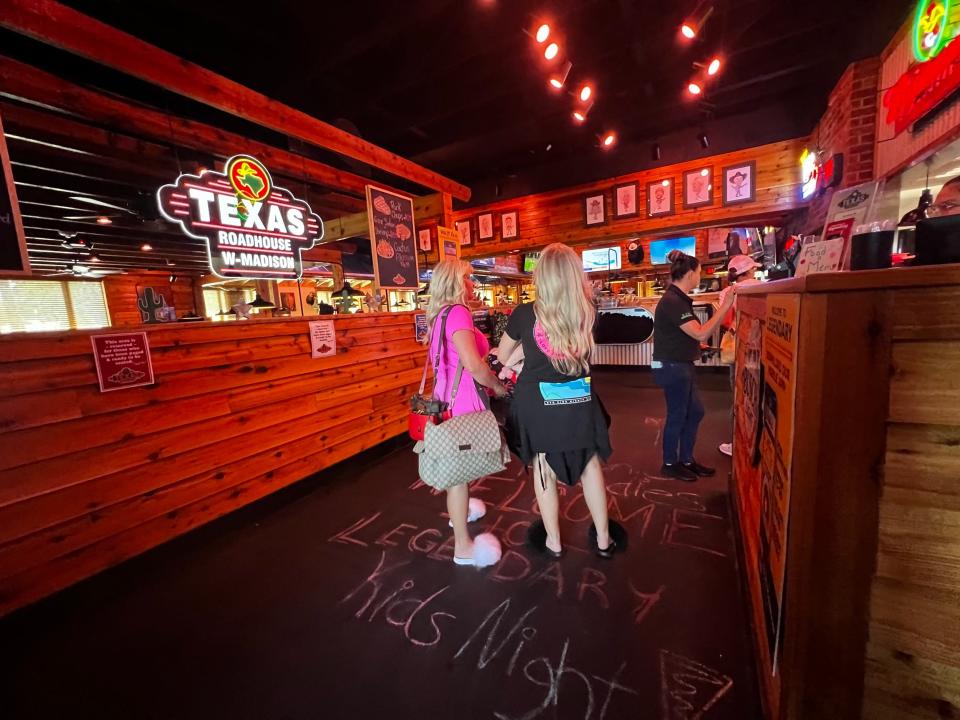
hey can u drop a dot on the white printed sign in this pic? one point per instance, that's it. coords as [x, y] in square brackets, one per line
[323, 339]
[820, 257]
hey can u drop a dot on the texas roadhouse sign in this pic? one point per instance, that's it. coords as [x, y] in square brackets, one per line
[252, 227]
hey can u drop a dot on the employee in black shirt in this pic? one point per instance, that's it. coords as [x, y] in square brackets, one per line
[677, 335]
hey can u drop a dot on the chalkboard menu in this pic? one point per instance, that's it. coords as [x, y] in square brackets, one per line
[13, 245]
[393, 239]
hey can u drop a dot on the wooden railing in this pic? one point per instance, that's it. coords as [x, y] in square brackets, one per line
[239, 410]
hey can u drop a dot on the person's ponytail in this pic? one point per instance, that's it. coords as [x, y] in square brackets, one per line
[681, 264]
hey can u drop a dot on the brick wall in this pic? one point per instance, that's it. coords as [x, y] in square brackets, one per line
[849, 126]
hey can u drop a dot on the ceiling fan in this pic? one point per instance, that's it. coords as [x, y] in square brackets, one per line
[84, 271]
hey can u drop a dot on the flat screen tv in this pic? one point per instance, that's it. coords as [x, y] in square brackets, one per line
[530, 262]
[601, 259]
[659, 249]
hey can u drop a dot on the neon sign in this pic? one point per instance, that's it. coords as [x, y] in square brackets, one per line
[808, 174]
[930, 28]
[252, 227]
[816, 177]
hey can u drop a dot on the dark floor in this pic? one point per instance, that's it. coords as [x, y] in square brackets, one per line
[338, 599]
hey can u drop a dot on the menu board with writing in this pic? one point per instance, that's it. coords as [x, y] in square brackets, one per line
[123, 360]
[13, 244]
[393, 239]
[818, 257]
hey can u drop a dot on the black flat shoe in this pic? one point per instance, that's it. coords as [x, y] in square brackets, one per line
[609, 550]
[678, 472]
[554, 554]
[699, 470]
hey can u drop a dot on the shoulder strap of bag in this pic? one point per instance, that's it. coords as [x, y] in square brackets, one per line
[456, 382]
[441, 346]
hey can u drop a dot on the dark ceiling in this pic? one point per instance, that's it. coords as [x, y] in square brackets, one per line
[457, 85]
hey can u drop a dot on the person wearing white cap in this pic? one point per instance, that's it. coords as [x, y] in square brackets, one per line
[741, 269]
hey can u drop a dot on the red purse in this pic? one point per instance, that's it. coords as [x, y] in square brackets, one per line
[425, 409]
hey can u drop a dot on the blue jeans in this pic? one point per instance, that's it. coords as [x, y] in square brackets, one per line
[684, 410]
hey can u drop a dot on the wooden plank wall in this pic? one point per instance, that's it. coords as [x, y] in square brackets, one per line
[121, 294]
[913, 654]
[89, 479]
[558, 216]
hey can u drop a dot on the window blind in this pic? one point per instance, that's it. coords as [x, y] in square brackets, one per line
[43, 305]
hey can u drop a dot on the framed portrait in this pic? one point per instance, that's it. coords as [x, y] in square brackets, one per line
[698, 188]
[660, 198]
[626, 200]
[485, 227]
[740, 183]
[425, 239]
[464, 229]
[594, 210]
[510, 225]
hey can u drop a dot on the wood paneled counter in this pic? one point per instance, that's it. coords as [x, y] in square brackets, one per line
[862, 488]
[238, 410]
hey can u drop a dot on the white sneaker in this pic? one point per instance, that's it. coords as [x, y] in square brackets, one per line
[726, 449]
[478, 508]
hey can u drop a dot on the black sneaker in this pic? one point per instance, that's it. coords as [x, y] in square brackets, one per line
[698, 469]
[678, 472]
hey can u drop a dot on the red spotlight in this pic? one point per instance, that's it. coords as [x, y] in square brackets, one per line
[543, 32]
[104, 220]
[688, 30]
[714, 67]
[551, 52]
[609, 140]
[585, 93]
[559, 78]
[694, 88]
[579, 116]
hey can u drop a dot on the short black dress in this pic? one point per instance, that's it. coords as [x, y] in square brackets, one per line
[551, 413]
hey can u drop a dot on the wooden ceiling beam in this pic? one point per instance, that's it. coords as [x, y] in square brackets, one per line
[22, 81]
[428, 207]
[55, 24]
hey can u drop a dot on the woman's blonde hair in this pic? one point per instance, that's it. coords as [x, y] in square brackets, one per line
[447, 286]
[564, 308]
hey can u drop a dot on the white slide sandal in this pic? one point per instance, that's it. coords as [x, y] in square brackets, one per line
[486, 552]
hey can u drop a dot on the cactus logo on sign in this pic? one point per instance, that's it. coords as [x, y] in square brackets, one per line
[252, 227]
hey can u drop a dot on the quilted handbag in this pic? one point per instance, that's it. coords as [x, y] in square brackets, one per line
[461, 449]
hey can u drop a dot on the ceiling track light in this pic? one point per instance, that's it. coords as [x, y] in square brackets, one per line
[551, 51]
[586, 92]
[692, 27]
[703, 140]
[543, 32]
[694, 88]
[655, 152]
[559, 78]
[608, 140]
[714, 67]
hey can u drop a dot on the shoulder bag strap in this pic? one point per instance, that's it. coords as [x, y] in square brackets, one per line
[441, 346]
[456, 382]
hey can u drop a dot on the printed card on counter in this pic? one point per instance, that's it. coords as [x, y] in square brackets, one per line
[123, 360]
[323, 339]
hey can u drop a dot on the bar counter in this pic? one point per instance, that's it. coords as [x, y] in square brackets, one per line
[848, 498]
[237, 411]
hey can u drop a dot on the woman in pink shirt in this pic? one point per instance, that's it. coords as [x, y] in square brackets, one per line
[460, 344]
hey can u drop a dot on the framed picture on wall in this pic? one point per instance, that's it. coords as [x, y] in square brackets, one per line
[626, 200]
[425, 239]
[485, 227]
[594, 210]
[465, 231]
[660, 198]
[740, 183]
[510, 225]
[698, 188]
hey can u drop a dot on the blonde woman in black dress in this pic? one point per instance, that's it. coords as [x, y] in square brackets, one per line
[561, 428]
